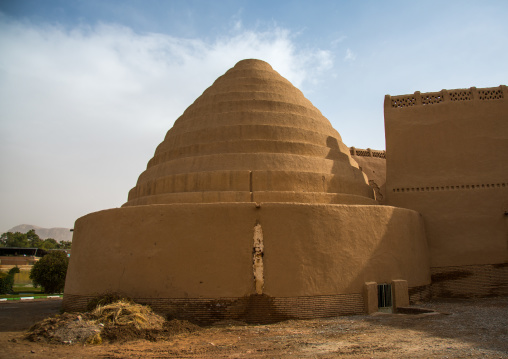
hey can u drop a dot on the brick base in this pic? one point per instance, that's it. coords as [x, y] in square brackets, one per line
[447, 282]
[489, 280]
[419, 294]
[250, 309]
[470, 281]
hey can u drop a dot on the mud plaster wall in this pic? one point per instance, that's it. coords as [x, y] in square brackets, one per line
[374, 168]
[251, 137]
[446, 158]
[206, 250]
[187, 250]
[336, 249]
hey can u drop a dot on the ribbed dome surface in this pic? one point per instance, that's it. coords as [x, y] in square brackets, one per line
[251, 137]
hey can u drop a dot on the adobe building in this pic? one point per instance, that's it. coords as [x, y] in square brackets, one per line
[447, 158]
[252, 208]
[373, 164]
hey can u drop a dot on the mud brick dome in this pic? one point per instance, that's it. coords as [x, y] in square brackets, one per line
[251, 136]
[252, 209]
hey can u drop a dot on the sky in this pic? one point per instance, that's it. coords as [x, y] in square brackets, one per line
[89, 88]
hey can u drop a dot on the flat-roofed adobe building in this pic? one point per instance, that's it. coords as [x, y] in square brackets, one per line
[447, 158]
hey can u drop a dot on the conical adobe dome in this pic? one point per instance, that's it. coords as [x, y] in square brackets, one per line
[251, 137]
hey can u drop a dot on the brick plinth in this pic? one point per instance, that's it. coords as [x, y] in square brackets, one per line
[251, 309]
[470, 281]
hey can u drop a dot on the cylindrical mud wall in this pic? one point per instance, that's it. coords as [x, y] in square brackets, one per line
[330, 249]
[205, 251]
[176, 251]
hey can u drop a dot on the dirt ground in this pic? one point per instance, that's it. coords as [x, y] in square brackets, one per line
[458, 329]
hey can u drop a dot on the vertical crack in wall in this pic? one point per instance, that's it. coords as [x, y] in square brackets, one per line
[257, 259]
[250, 187]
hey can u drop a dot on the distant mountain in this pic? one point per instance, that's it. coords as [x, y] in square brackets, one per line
[58, 234]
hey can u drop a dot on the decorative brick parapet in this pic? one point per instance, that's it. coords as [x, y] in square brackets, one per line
[366, 152]
[432, 98]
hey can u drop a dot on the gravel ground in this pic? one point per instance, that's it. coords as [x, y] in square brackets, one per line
[457, 329]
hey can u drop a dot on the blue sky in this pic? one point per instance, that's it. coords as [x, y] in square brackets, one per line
[88, 88]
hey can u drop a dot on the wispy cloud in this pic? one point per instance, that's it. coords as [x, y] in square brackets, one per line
[338, 40]
[350, 55]
[82, 110]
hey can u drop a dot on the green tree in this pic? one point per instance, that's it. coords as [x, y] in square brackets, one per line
[65, 245]
[16, 239]
[50, 271]
[34, 240]
[49, 243]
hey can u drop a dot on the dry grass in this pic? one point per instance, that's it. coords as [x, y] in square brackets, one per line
[127, 313]
[90, 327]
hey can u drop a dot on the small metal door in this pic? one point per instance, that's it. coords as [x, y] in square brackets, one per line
[384, 295]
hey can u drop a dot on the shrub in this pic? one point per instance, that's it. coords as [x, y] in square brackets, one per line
[7, 280]
[6, 283]
[50, 271]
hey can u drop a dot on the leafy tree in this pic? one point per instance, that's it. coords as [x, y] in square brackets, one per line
[50, 271]
[49, 243]
[33, 239]
[16, 239]
[65, 245]
[3, 239]
[30, 239]
[7, 280]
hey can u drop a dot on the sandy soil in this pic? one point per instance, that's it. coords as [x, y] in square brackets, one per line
[459, 329]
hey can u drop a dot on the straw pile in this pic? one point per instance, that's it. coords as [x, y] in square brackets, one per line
[127, 313]
[120, 320]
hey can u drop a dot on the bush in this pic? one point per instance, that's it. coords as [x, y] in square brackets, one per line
[50, 271]
[6, 283]
[7, 280]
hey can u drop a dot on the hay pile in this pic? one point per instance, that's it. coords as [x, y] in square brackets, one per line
[126, 313]
[121, 320]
